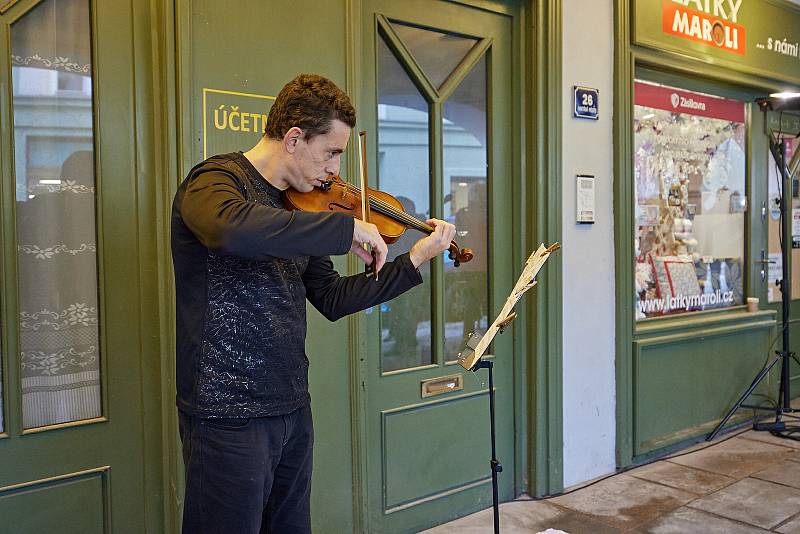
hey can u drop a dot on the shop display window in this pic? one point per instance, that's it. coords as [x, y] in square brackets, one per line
[689, 195]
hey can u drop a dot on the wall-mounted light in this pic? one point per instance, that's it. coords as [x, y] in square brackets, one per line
[783, 101]
[785, 94]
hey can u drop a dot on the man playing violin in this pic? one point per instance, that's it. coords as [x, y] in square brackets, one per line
[244, 266]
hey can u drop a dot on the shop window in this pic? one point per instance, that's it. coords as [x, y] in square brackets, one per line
[689, 195]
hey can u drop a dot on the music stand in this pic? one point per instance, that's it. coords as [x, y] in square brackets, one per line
[783, 407]
[471, 357]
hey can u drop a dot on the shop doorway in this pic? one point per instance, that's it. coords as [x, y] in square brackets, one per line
[438, 106]
[79, 432]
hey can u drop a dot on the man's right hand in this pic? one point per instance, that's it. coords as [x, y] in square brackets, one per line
[367, 233]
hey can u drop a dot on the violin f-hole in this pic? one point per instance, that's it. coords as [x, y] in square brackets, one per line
[333, 205]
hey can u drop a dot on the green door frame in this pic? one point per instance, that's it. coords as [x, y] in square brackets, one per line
[168, 153]
[543, 191]
[170, 81]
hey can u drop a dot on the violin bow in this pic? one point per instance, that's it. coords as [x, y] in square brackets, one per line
[365, 215]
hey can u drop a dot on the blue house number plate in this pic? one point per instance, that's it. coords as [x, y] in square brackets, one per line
[586, 102]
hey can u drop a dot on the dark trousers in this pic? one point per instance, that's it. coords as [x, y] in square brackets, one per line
[248, 476]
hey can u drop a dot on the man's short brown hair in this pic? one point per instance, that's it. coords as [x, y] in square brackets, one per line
[310, 102]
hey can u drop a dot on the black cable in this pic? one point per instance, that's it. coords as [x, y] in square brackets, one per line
[779, 181]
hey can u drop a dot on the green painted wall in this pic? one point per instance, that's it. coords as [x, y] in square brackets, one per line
[687, 372]
[255, 47]
[748, 42]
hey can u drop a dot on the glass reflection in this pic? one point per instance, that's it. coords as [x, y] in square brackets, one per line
[465, 203]
[438, 53]
[55, 213]
[403, 170]
[689, 200]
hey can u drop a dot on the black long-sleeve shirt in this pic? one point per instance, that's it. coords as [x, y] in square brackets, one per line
[244, 266]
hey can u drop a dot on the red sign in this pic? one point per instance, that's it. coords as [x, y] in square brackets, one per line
[702, 27]
[678, 101]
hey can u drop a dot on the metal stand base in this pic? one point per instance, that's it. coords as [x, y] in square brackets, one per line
[784, 409]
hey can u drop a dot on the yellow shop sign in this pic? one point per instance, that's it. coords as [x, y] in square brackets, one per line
[232, 120]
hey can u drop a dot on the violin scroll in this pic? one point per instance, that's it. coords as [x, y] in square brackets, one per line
[459, 256]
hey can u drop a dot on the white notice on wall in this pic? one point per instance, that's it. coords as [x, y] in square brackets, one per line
[774, 273]
[796, 222]
[584, 201]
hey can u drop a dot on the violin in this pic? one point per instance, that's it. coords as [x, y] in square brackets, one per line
[385, 211]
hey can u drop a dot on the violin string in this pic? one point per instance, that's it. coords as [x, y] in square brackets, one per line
[388, 209]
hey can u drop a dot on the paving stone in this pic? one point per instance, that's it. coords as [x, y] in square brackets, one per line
[756, 502]
[766, 437]
[658, 499]
[685, 520]
[624, 501]
[682, 477]
[476, 523]
[525, 517]
[522, 515]
[736, 457]
[790, 527]
[786, 473]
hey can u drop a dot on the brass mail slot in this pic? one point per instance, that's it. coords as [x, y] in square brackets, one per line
[441, 385]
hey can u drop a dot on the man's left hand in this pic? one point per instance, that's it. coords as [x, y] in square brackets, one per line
[434, 244]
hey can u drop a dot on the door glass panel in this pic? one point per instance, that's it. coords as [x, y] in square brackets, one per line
[403, 170]
[465, 204]
[437, 53]
[55, 213]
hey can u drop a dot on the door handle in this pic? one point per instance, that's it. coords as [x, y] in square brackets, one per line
[764, 261]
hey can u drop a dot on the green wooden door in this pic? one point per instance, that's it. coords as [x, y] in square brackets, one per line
[79, 436]
[437, 98]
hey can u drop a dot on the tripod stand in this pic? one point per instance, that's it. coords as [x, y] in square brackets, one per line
[783, 408]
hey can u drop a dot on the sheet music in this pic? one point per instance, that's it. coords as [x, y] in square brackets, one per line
[526, 281]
